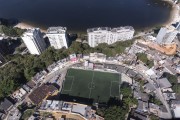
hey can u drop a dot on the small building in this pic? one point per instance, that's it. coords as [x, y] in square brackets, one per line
[39, 76]
[66, 106]
[51, 105]
[79, 56]
[25, 87]
[51, 67]
[141, 46]
[5, 105]
[91, 66]
[141, 116]
[41, 93]
[170, 70]
[80, 109]
[14, 114]
[86, 57]
[150, 72]
[73, 58]
[56, 105]
[2, 116]
[98, 66]
[164, 83]
[175, 105]
[19, 94]
[141, 68]
[110, 66]
[142, 107]
[97, 57]
[86, 63]
[169, 96]
[31, 84]
[153, 108]
[148, 88]
[122, 69]
[131, 73]
[141, 96]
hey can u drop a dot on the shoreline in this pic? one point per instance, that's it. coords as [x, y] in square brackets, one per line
[24, 25]
[173, 18]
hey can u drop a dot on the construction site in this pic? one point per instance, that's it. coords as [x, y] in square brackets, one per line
[168, 49]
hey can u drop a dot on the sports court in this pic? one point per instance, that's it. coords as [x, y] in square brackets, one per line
[99, 86]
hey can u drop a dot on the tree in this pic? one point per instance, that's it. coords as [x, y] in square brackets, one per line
[126, 91]
[76, 47]
[10, 31]
[144, 59]
[153, 117]
[113, 113]
[174, 81]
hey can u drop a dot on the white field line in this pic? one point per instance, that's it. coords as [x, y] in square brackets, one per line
[110, 89]
[91, 84]
[112, 86]
[71, 83]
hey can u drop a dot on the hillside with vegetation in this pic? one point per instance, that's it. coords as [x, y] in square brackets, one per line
[11, 31]
[22, 68]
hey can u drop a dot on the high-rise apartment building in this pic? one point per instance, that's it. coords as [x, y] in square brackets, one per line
[166, 36]
[108, 35]
[57, 37]
[178, 26]
[34, 41]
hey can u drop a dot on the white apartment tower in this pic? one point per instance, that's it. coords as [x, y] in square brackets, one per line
[108, 35]
[98, 35]
[166, 35]
[34, 41]
[178, 26]
[57, 37]
[123, 33]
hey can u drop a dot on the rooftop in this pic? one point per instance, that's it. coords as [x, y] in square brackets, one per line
[41, 92]
[122, 28]
[149, 87]
[32, 30]
[5, 105]
[140, 116]
[164, 83]
[131, 73]
[110, 29]
[31, 84]
[78, 108]
[176, 111]
[99, 29]
[55, 30]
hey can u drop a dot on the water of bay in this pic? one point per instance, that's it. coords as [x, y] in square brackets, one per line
[78, 15]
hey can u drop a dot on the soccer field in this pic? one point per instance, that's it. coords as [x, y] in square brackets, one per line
[99, 86]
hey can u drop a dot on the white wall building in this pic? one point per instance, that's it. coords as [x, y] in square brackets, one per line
[97, 57]
[57, 37]
[166, 35]
[108, 35]
[178, 26]
[34, 41]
